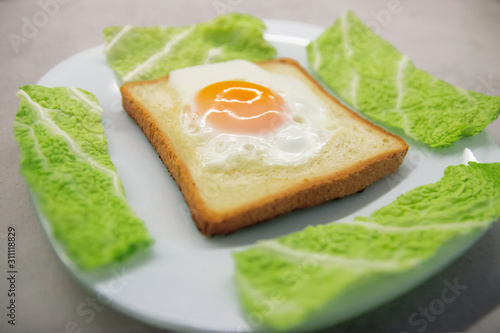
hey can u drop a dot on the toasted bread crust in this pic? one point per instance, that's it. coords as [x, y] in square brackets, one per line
[306, 194]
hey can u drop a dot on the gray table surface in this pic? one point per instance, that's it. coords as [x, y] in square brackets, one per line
[458, 41]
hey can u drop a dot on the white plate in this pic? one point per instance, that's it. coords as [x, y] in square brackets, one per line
[186, 280]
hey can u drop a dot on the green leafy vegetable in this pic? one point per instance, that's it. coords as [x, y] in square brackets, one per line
[373, 76]
[65, 162]
[145, 53]
[353, 265]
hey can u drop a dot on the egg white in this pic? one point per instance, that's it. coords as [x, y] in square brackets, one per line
[309, 125]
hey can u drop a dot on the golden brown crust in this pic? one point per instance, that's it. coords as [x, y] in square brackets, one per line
[306, 194]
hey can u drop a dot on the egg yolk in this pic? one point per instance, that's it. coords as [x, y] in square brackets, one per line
[240, 107]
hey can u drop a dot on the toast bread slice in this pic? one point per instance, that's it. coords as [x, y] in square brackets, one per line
[222, 201]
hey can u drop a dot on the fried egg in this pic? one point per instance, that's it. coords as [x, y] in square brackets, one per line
[241, 111]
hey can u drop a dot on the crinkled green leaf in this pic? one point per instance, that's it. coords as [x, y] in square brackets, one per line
[65, 162]
[145, 53]
[381, 82]
[286, 281]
